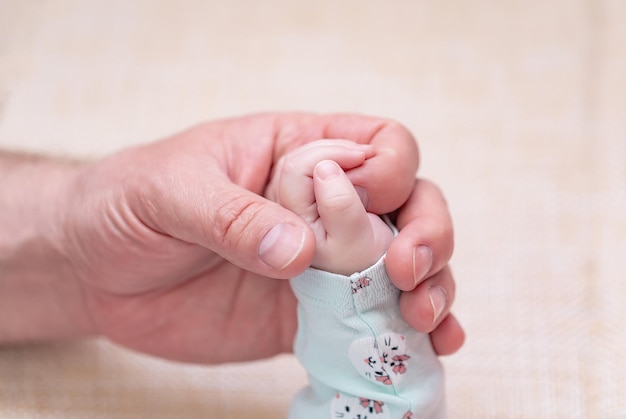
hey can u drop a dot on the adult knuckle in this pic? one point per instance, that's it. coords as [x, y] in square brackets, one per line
[234, 216]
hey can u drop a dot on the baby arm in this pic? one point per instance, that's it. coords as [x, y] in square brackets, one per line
[311, 182]
[362, 358]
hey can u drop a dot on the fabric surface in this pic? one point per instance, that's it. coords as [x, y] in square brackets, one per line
[362, 359]
[519, 109]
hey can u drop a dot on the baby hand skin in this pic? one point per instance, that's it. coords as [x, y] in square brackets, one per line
[311, 182]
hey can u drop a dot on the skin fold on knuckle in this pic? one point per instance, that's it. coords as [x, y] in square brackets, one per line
[338, 204]
[232, 222]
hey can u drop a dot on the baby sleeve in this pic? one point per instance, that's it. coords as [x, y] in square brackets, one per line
[363, 360]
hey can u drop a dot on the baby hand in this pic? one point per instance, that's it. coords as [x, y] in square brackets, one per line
[311, 182]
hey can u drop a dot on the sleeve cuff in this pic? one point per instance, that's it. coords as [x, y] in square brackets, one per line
[358, 292]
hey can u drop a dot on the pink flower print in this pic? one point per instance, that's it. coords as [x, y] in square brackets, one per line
[407, 415]
[376, 406]
[398, 364]
[349, 407]
[383, 359]
[360, 284]
[384, 378]
[380, 374]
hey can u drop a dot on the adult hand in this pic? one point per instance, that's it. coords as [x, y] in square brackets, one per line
[177, 252]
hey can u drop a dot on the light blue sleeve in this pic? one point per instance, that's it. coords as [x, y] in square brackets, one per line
[361, 357]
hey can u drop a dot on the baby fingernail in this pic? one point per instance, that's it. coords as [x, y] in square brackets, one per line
[281, 245]
[422, 262]
[327, 170]
[438, 301]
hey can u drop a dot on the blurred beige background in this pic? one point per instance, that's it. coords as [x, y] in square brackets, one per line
[520, 111]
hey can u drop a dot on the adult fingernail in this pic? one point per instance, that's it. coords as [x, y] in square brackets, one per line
[327, 170]
[281, 245]
[422, 262]
[438, 301]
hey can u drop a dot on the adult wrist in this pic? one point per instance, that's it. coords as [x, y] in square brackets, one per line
[40, 297]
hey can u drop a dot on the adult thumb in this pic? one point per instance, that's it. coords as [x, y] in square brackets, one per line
[247, 229]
